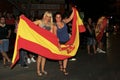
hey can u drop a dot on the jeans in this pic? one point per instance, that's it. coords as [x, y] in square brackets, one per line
[23, 55]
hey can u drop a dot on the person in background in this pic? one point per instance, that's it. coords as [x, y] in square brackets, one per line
[5, 33]
[23, 53]
[91, 39]
[101, 33]
[10, 21]
[23, 61]
[30, 57]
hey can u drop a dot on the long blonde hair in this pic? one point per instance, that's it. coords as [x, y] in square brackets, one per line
[99, 23]
[100, 20]
[49, 14]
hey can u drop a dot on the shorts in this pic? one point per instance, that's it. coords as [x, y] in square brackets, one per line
[91, 41]
[4, 46]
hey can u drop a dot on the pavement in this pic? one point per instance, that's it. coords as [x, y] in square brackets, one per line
[86, 67]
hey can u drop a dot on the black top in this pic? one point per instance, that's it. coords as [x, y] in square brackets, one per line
[92, 33]
[4, 32]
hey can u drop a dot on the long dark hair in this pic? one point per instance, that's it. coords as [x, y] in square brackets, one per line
[57, 13]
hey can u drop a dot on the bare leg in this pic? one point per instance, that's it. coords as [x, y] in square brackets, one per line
[94, 48]
[64, 66]
[88, 49]
[43, 65]
[5, 57]
[101, 48]
[101, 45]
[4, 61]
[65, 63]
[61, 65]
[38, 65]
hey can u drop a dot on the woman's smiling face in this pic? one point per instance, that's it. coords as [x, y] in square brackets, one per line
[58, 17]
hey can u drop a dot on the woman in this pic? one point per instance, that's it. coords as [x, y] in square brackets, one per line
[47, 23]
[63, 35]
[101, 33]
[91, 39]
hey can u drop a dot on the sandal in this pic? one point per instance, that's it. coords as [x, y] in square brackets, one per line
[65, 72]
[44, 72]
[39, 74]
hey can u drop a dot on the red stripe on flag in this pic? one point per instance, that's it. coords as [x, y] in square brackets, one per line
[82, 28]
[72, 38]
[40, 50]
[104, 25]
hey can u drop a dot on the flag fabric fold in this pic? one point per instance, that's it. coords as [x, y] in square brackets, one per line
[35, 39]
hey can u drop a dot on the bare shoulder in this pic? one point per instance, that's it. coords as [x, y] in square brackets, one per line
[54, 25]
[37, 22]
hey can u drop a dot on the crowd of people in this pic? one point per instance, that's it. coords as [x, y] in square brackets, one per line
[56, 25]
[96, 35]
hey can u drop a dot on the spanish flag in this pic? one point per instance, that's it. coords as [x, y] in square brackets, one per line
[42, 42]
[100, 28]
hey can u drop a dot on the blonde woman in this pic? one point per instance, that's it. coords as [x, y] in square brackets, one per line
[47, 23]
